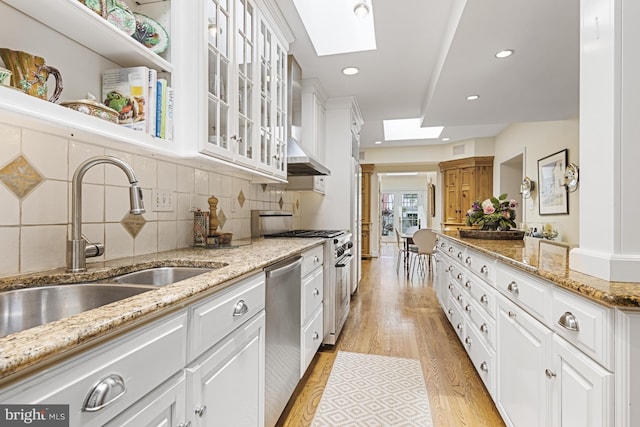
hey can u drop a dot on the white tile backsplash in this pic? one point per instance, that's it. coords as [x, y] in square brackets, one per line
[34, 230]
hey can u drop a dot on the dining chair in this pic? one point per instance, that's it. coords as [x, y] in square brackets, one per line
[404, 250]
[425, 240]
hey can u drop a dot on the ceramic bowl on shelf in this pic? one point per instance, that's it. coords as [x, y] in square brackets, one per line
[93, 108]
[5, 76]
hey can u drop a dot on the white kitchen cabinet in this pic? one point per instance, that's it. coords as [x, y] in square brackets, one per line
[311, 313]
[129, 367]
[582, 389]
[225, 386]
[523, 349]
[313, 118]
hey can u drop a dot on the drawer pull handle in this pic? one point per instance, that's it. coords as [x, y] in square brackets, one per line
[484, 328]
[484, 367]
[459, 297]
[104, 393]
[316, 292]
[484, 269]
[549, 374]
[484, 298]
[512, 315]
[467, 341]
[315, 336]
[467, 284]
[569, 321]
[451, 250]
[468, 308]
[468, 260]
[201, 410]
[513, 288]
[459, 326]
[459, 255]
[240, 309]
[459, 276]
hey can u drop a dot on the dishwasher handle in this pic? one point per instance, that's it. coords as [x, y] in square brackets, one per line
[283, 267]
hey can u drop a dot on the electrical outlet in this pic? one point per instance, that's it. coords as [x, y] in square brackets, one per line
[162, 200]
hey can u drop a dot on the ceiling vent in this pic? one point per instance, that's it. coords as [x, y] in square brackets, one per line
[458, 150]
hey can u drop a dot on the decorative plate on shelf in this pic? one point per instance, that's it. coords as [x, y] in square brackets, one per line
[118, 14]
[151, 34]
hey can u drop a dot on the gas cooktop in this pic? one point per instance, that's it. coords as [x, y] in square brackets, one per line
[308, 233]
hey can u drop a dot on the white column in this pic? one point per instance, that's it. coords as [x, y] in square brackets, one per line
[609, 141]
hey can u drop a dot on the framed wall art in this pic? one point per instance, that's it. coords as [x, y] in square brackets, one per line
[552, 191]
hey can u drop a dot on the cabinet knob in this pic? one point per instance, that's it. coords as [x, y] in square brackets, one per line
[104, 393]
[450, 312]
[467, 341]
[484, 269]
[468, 308]
[484, 367]
[451, 250]
[459, 255]
[450, 286]
[316, 292]
[467, 284]
[484, 328]
[484, 298]
[201, 410]
[459, 297]
[513, 288]
[459, 326]
[569, 321]
[549, 374]
[241, 308]
[448, 269]
[315, 336]
[468, 260]
[512, 315]
[459, 276]
[442, 245]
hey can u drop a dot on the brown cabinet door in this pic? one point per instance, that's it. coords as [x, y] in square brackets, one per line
[451, 196]
[467, 193]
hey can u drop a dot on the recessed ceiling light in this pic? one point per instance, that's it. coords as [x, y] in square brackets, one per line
[361, 10]
[350, 71]
[378, 142]
[504, 53]
[472, 97]
[446, 139]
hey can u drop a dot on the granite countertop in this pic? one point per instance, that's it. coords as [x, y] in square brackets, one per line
[34, 347]
[551, 261]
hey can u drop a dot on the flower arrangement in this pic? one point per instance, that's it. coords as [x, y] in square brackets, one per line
[493, 210]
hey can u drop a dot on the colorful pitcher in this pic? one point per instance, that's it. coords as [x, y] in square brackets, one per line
[30, 74]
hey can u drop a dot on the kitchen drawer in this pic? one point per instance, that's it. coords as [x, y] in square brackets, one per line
[531, 294]
[592, 328]
[129, 366]
[215, 317]
[312, 259]
[482, 265]
[453, 250]
[482, 357]
[457, 319]
[312, 293]
[482, 294]
[312, 335]
[456, 272]
[478, 320]
[457, 295]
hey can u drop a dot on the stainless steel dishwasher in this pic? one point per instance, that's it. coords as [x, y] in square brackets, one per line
[282, 335]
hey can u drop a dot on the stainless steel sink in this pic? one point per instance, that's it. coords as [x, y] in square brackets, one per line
[26, 308]
[160, 276]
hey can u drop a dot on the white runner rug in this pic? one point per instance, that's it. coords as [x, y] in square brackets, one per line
[370, 390]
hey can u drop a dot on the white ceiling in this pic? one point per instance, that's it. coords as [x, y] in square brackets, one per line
[431, 54]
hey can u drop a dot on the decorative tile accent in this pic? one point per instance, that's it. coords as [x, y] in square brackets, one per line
[281, 202]
[222, 218]
[241, 198]
[133, 224]
[368, 390]
[20, 177]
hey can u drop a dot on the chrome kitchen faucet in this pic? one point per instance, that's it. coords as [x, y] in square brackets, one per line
[78, 249]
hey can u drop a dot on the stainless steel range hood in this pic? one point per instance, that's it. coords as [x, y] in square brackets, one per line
[299, 162]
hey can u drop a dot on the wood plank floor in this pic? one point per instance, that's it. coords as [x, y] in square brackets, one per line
[394, 316]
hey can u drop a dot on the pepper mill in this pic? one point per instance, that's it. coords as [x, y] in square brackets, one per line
[213, 216]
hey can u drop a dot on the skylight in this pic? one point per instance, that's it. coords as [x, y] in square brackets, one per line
[334, 28]
[403, 129]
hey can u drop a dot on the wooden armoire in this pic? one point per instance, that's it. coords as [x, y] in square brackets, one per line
[367, 170]
[464, 181]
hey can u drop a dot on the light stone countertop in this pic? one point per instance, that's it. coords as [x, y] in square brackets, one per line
[25, 351]
[551, 261]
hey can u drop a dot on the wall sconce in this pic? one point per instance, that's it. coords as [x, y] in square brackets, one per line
[527, 187]
[571, 173]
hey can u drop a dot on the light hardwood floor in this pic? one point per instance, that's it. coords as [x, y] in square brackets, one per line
[394, 316]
